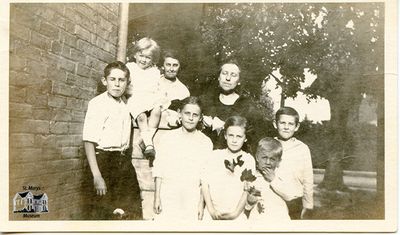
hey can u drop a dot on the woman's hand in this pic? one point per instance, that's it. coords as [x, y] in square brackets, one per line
[100, 185]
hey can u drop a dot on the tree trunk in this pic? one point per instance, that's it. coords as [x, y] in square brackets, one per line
[333, 177]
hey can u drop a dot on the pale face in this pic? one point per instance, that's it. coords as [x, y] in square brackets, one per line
[235, 137]
[190, 115]
[115, 82]
[229, 77]
[286, 126]
[143, 59]
[267, 160]
[171, 68]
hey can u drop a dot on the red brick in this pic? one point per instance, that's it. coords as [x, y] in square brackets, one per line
[56, 47]
[74, 80]
[82, 93]
[45, 87]
[74, 104]
[78, 56]
[69, 39]
[50, 152]
[56, 74]
[23, 79]
[20, 110]
[58, 127]
[65, 141]
[42, 113]
[52, 60]
[18, 125]
[75, 128]
[113, 17]
[40, 41]
[18, 155]
[36, 69]
[35, 98]
[17, 63]
[21, 140]
[45, 141]
[60, 88]
[57, 101]
[49, 30]
[82, 33]
[67, 65]
[23, 17]
[62, 115]
[98, 8]
[85, 47]
[78, 116]
[17, 94]
[19, 31]
[28, 52]
[77, 140]
[85, 10]
[83, 70]
[69, 152]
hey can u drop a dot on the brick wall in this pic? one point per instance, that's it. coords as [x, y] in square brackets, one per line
[57, 55]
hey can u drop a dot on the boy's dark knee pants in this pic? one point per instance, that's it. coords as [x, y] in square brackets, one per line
[295, 207]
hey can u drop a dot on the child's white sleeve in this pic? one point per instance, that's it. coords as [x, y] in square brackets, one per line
[92, 124]
[283, 188]
[308, 181]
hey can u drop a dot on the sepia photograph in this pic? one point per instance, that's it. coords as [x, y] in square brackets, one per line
[172, 116]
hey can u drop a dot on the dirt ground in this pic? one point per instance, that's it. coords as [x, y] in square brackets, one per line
[337, 205]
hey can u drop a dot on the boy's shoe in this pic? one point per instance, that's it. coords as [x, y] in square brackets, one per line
[150, 154]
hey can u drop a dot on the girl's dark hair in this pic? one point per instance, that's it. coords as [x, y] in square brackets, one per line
[236, 121]
[116, 65]
[191, 100]
[196, 101]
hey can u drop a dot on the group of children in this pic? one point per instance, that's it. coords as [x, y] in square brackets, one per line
[192, 181]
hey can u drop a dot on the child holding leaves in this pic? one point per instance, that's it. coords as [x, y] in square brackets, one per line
[224, 180]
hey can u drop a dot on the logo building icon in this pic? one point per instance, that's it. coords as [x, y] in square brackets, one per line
[26, 202]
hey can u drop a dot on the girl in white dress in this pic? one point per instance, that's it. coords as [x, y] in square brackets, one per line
[225, 178]
[181, 155]
[144, 101]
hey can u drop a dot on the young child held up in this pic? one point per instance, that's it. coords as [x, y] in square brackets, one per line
[144, 100]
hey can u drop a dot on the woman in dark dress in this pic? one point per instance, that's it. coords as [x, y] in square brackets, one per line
[226, 101]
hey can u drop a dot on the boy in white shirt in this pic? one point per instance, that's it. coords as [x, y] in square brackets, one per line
[106, 135]
[295, 169]
[269, 206]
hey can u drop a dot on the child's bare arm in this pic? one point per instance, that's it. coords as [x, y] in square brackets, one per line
[207, 198]
[239, 208]
[157, 199]
[98, 181]
[201, 206]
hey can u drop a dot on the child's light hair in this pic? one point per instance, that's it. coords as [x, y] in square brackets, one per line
[147, 43]
[236, 121]
[270, 145]
[287, 111]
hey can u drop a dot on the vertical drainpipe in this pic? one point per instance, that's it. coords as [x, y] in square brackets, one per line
[123, 31]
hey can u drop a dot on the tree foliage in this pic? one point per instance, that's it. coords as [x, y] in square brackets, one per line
[340, 43]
